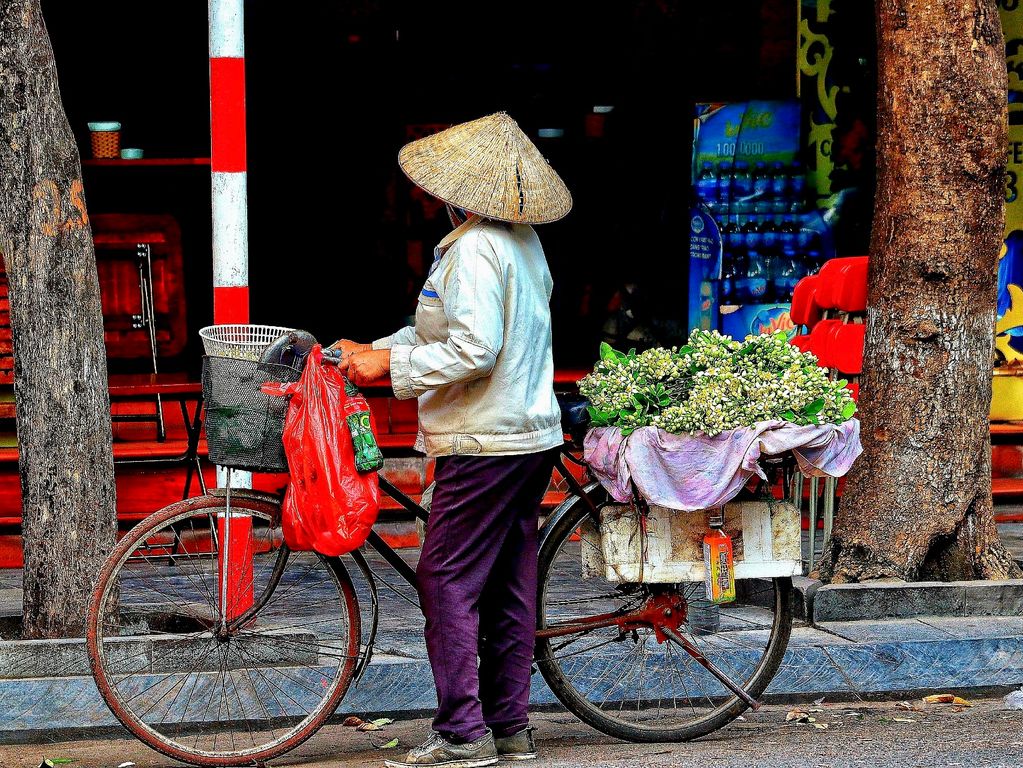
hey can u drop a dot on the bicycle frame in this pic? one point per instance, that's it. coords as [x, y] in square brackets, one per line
[663, 612]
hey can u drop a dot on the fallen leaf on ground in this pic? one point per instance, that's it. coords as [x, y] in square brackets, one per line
[821, 726]
[367, 727]
[819, 701]
[799, 716]
[904, 720]
[908, 706]
[946, 698]
[129, 764]
[389, 745]
[382, 721]
[353, 721]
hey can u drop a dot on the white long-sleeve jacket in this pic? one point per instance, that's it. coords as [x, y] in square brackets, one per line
[479, 355]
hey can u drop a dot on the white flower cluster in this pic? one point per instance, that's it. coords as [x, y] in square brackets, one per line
[713, 384]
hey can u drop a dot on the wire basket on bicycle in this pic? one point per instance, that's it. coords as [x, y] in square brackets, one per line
[244, 426]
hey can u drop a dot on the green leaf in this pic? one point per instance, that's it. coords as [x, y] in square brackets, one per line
[789, 416]
[606, 351]
[626, 431]
[686, 350]
[598, 418]
[815, 407]
[389, 745]
[632, 354]
[848, 410]
[382, 721]
[840, 384]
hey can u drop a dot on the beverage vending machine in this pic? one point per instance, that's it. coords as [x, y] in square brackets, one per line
[753, 233]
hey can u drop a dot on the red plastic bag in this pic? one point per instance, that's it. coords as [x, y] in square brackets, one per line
[329, 507]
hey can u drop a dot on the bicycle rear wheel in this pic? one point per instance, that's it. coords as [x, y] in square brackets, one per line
[604, 649]
[221, 687]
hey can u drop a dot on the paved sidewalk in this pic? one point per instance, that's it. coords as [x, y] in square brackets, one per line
[840, 659]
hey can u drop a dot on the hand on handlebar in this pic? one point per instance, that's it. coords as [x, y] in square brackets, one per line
[364, 368]
[348, 347]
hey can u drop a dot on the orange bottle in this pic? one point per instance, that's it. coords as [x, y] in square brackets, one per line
[720, 569]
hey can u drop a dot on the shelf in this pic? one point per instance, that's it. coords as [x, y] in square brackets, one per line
[147, 161]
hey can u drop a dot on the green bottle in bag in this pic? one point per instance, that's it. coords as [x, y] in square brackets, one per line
[368, 457]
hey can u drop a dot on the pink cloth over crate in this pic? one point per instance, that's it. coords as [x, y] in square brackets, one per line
[691, 472]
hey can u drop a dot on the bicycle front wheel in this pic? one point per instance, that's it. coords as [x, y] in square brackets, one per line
[607, 652]
[212, 642]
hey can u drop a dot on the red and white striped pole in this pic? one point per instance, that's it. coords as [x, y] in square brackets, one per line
[230, 254]
[227, 129]
[230, 199]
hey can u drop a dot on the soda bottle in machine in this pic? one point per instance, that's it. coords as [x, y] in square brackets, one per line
[770, 234]
[724, 190]
[797, 184]
[756, 280]
[728, 276]
[761, 181]
[742, 187]
[787, 234]
[779, 181]
[707, 185]
[785, 276]
[752, 237]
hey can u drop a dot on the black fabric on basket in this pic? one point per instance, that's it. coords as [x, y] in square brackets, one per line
[244, 426]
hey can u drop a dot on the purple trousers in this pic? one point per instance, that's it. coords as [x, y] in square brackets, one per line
[477, 588]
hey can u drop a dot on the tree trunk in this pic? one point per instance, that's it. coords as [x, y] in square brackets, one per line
[60, 370]
[918, 502]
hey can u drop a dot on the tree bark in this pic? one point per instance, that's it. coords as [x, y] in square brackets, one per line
[917, 505]
[60, 371]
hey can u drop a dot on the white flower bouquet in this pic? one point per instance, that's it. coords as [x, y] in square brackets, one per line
[713, 384]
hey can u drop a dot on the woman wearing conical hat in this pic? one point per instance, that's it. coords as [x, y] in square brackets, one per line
[479, 360]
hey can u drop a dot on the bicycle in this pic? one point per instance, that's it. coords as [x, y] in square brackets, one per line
[222, 659]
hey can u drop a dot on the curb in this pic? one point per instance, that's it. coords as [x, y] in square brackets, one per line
[903, 600]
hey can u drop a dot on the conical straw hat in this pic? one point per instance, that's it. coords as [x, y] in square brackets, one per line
[490, 167]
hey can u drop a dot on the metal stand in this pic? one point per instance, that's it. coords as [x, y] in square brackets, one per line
[147, 320]
[826, 506]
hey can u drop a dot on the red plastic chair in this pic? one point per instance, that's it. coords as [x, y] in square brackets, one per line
[822, 342]
[851, 293]
[802, 341]
[830, 280]
[804, 310]
[847, 348]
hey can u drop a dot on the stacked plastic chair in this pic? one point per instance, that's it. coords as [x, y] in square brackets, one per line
[830, 310]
